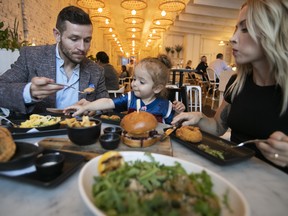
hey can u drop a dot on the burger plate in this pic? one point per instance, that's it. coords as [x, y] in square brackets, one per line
[236, 200]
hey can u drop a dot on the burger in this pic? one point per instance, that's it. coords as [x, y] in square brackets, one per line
[139, 129]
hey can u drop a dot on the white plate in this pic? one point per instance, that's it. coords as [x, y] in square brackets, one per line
[236, 200]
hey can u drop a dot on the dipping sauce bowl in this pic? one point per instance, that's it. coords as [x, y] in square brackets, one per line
[117, 130]
[110, 141]
[50, 164]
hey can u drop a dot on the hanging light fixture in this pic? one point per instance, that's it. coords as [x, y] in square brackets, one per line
[96, 16]
[134, 4]
[172, 5]
[91, 4]
[133, 20]
[221, 43]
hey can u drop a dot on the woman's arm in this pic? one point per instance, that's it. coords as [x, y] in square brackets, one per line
[216, 125]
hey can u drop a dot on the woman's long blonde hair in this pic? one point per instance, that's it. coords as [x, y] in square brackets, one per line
[267, 24]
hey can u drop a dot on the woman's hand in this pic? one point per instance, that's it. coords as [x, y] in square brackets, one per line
[276, 148]
[178, 106]
[190, 118]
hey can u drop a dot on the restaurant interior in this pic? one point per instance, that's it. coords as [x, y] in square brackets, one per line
[63, 171]
[136, 29]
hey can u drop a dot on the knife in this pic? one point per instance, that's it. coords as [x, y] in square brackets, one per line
[171, 130]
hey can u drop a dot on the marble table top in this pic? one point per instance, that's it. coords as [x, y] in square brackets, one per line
[264, 187]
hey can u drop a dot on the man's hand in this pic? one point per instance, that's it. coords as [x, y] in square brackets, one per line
[41, 89]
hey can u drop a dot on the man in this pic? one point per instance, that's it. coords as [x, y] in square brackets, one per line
[219, 65]
[110, 74]
[29, 86]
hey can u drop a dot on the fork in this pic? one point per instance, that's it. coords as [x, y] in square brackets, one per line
[68, 86]
[249, 141]
[6, 119]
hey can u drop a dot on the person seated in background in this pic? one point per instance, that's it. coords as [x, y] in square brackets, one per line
[219, 65]
[148, 85]
[29, 86]
[188, 64]
[201, 68]
[130, 67]
[110, 74]
[255, 104]
[124, 72]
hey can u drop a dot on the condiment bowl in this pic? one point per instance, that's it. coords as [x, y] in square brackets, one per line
[110, 141]
[115, 129]
[85, 135]
[50, 164]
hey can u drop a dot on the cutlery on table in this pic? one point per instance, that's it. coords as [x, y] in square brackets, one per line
[10, 122]
[249, 142]
[68, 86]
[171, 130]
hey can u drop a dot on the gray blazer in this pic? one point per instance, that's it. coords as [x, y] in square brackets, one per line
[41, 61]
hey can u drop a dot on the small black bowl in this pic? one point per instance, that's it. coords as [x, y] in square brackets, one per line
[85, 135]
[110, 141]
[117, 130]
[50, 165]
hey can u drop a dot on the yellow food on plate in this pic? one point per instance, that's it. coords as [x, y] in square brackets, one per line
[73, 122]
[7, 145]
[109, 161]
[36, 120]
[189, 133]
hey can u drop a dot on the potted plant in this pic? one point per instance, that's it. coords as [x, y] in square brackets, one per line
[172, 51]
[167, 49]
[178, 49]
[9, 45]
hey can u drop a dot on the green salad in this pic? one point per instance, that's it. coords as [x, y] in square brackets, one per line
[150, 188]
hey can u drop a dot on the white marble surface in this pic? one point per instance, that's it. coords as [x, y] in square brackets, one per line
[264, 187]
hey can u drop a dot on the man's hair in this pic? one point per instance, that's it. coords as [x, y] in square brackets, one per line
[102, 57]
[74, 15]
[219, 56]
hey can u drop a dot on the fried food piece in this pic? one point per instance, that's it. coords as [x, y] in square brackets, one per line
[189, 133]
[89, 90]
[7, 145]
[109, 161]
[112, 117]
[72, 122]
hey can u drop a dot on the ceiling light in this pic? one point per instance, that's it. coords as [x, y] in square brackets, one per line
[221, 43]
[133, 19]
[133, 12]
[100, 10]
[163, 13]
[91, 4]
[133, 4]
[172, 5]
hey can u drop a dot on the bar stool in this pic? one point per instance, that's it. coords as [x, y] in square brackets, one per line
[117, 92]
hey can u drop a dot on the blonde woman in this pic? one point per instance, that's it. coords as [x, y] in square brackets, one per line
[256, 99]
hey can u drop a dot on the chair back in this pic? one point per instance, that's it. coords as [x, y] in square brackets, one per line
[211, 74]
[117, 92]
[193, 98]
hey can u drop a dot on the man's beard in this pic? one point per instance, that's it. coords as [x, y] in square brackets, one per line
[67, 54]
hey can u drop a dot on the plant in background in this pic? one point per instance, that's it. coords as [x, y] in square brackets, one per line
[172, 51]
[167, 49]
[9, 38]
[178, 49]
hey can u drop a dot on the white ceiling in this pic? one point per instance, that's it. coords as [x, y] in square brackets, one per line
[213, 19]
